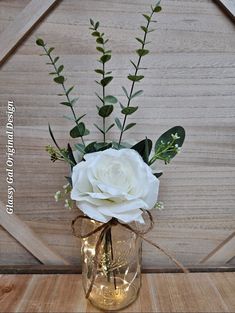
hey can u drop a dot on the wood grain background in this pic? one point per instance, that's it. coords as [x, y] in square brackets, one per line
[190, 81]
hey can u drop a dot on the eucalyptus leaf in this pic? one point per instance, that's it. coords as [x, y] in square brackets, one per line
[96, 34]
[129, 110]
[50, 50]
[100, 49]
[68, 104]
[106, 110]
[80, 117]
[56, 59]
[99, 71]
[60, 69]
[147, 17]
[125, 91]
[140, 40]
[137, 93]
[110, 99]
[135, 78]
[100, 40]
[59, 79]
[129, 126]
[90, 148]
[97, 25]
[111, 126]
[145, 29]
[40, 42]
[142, 52]
[105, 81]
[118, 123]
[157, 9]
[101, 146]
[69, 90]
[105, 58]
[78, 130]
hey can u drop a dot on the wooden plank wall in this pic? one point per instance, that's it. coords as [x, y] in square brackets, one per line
[190, 81]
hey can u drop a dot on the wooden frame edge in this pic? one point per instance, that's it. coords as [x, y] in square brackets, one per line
[73, 269]
[225, 9]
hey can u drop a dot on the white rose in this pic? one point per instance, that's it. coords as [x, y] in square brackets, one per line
[114, 183]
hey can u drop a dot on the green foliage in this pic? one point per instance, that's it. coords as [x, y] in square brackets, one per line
[157, 9]
[110, 99]
[40, 42]
[59, 153]
[106, 110]
[70, 154]
[129, 110]
[169, 144]
[59, 79]
[125, 91]
[147, 17]
[106, 80]
[99, 71]
[118, 123]
[78, 130]
[137, 93]
[145, 29]
[142, 52]
[129, 126]
[135, 78]
[105, 58]
[107, 101]
[144, 148]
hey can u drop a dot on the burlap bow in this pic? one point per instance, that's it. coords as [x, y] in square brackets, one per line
[113, 222]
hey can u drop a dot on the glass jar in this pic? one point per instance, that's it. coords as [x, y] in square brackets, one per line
[116, 273]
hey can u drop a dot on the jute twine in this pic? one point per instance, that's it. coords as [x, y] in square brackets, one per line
[112, 223]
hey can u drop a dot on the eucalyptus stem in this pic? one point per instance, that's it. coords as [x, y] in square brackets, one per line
[63, 86]
[136, 72]
[107, 101]
[103, 89]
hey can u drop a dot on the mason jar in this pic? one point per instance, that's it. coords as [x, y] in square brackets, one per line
[111, 265]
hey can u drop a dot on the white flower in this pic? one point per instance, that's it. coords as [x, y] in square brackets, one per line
[114, 183]
[57, 195]
[175, 136]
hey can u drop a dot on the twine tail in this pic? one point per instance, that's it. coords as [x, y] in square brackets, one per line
[166, 253]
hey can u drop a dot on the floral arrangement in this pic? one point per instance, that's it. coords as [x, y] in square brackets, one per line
[111, 179]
